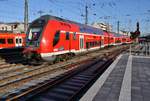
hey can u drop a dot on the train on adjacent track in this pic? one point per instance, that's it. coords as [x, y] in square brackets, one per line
[12, 40]
[50, 37]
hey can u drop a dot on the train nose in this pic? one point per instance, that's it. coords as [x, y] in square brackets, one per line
[27, 50]
[30, 53]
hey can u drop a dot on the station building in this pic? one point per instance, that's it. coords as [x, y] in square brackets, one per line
[14, 27]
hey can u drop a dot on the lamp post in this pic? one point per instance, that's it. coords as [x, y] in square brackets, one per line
[26, 16]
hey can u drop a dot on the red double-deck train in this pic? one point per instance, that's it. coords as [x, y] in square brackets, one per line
[49, 37]
[12, 40]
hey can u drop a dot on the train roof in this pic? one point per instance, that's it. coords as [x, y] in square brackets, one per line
[117, 34]
[12, 34]
[83, 28]
[89, 29]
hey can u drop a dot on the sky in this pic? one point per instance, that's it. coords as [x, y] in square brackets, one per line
[127, 12]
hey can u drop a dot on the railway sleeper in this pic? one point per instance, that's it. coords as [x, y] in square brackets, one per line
[54, 96]
[63, 91]
[64, 86]
[75, 82]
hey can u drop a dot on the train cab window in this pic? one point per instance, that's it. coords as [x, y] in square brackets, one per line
[56, 38]
[35, 30]
[74, 36]
[10, 41]
[67, 35]
[2, 41]
[34, 34]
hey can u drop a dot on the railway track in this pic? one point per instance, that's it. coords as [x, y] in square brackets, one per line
[6, 68]
[17, 67]
[77, 79]
[139, 49]
[17, 81]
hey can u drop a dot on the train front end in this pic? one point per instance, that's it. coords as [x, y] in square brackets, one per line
[33, 39]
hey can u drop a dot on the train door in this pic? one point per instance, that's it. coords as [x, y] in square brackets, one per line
[18, 41]
[81, 43]
[102, 41]
[114, 41]
[73, 41]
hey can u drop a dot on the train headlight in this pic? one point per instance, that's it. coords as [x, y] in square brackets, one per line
[44, 41]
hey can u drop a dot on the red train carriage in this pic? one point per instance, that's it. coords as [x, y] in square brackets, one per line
[129, 40]
[106, 38]
[111, 38]
[11, 40]
[49, 37]
[93, 41]
[117, 39]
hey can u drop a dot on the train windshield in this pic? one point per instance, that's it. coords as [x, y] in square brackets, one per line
[34, 32]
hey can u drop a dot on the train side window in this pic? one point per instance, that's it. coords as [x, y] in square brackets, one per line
[20, 40]
[90, 44]
[56, 38]
[67, 35]
[10, 41]
[74, 36]
[102, 42]
[17, 41]
[95, 43]
[87, 45]
[2, 41]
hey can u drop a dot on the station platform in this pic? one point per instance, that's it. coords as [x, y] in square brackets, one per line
[127, 79]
